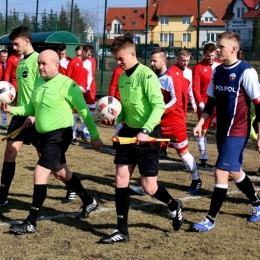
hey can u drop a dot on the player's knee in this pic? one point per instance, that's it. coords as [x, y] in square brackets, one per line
[10, 153]
[149, 190]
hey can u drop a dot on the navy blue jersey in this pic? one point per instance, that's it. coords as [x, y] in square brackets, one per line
[233, 88]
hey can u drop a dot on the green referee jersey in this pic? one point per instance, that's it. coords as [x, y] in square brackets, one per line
[27, 74]
[141, 99]
[52, 105]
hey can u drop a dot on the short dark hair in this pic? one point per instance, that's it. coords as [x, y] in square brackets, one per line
[209, 47]
[4, 51]
[20, 32]
[121, 43]
[61, 47]
[87, 47]
[80, 47]
[91, 48]
[158, 50]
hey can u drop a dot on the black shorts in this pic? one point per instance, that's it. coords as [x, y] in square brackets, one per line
[27, 136]
[53, 146]
[146, 156]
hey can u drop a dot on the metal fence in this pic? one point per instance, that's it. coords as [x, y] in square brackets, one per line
[172, 41]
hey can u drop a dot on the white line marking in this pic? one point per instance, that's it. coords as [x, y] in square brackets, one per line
[100, 210]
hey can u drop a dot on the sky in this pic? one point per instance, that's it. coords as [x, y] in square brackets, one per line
[95, 6]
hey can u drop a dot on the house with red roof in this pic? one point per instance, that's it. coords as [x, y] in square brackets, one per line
[239, 17]
[170, 22]
[130, 21]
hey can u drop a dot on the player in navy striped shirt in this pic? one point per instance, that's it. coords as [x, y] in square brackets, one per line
[234, 85]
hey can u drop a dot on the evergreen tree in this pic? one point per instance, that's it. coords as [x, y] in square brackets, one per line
[63, 21]
[52, 21]
[78, 26]
[256, 35]
[27, 22]
[13, 20]
[44, 22]
[2, 24]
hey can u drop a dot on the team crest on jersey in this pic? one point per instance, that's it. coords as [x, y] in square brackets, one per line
[77, 64]
[149, 76]
[232, 76]
[205, 70]
[178, 73]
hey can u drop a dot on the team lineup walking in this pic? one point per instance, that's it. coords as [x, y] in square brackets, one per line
[54, 92]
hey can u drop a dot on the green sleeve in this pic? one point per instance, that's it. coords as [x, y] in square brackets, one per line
[26, 110]
[152, 90]
[73, 95]
[121, 117]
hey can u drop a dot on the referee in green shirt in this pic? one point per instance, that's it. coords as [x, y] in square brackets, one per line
[52, 103]
[142, 108]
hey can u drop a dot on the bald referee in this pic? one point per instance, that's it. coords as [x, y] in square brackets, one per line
[52, 103]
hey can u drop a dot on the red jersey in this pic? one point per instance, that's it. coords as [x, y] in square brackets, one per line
[77, 72]
[2, 71]
[113, 88]
[93, 86]
[186, 78]
[202, 76]
[171, 86]
[10, 72]
[63, 68]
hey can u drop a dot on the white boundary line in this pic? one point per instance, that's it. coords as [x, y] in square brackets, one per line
[101, 210]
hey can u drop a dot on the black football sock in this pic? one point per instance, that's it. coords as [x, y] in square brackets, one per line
[39, 195]
[163, 195]
[247, 188]
[122, 199]
[75, 185]
[8, 172]
[217, 199]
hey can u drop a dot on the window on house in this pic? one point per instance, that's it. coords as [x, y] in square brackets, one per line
[133, 22]
[211, 37]
[237, 32]
[208, 19]
[164, 20]
[186, 20]
[135, 11]
[136, 39]
[186, 37]
[117, 28]
[171, 37]
[163, 37]
[240, 12]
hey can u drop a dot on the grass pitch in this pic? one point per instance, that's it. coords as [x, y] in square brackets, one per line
[60, 236]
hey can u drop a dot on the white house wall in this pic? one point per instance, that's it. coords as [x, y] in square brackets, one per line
[243, 27]
[205, 30]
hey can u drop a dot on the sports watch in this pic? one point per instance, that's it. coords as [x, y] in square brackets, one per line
[145, 131]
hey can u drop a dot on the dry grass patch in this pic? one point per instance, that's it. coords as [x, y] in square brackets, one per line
[60, 236]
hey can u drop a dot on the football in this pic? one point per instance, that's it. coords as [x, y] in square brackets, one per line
[7, 92]
[108, 108]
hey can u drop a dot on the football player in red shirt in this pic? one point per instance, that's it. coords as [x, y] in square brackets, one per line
[173, 122]
[202, 75]
[64, 59]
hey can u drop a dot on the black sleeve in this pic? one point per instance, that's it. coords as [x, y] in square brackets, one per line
[257, 113]
[209, 107]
